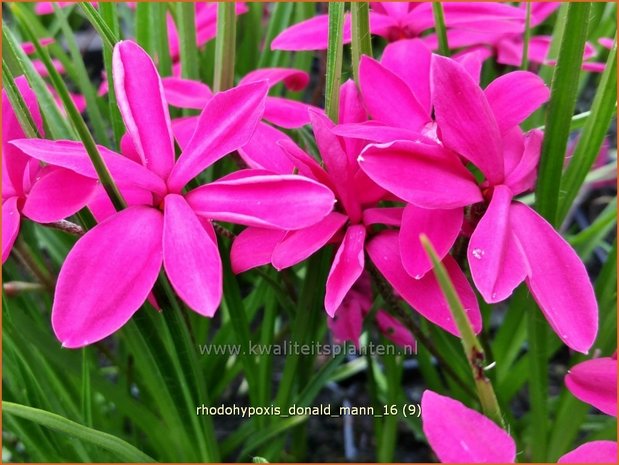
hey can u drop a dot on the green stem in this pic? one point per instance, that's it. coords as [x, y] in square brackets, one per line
[86, 391]
[17, 102]
[563, 95]
[441, 29]
[225, 46]
[361, 37]
[472, 347]
[335, 52]
[186, 25]
[527, 38]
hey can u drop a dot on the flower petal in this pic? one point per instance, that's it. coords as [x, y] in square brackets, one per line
[522, 177]
[442, 228]
[227, 123]
[73, 156]
[592, 452]
[495, 258]
[346, 268]
[465, 117]
[458, 434]
[272, 201]
[311, 34]
[186, 93]
[254, 247]
[388, 98]
[191, 257]
[107, 276]
[395, 331]
[426, 175]
[143, 107]
[595, 382]
[286, 113]
[10, 226]
[514, 96]
[557, 279]
[293, 79]
[298, 245]
[410, 60]
[424, 294]
[263, 151]
[57, 194]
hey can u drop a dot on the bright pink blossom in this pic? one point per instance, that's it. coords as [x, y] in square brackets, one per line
[511, 243]
[402, 20]
[595, 382]
[43, 194]
[111, 270]
[351, 226]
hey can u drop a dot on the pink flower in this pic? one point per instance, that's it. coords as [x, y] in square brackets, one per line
[401, 20]
[42, 194]
[458, 434]
[351, 226]
[595, 382]
[111, 270]
[262, 150]
[510, 242]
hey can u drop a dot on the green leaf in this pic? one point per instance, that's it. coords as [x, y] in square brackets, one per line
[334, 59]
[186, 26]
[281, 17]
[123, 450]
[563, 95]
[361, 37]
[109, 35]
[441, 29]
[225, 46]
[592, 136]
[18, 104]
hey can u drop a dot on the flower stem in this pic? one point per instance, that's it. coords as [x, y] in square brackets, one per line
[441, 29]
[225, 46]
[335, 51]
[472, 347]
[361, 37]
[527, 37]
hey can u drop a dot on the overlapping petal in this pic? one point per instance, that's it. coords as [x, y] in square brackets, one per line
[595, 382]
[254, 247]
[107, 275]
[10, 225]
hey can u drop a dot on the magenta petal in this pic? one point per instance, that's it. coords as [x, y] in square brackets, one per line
[272, 201]
[592, 452]
[388, 98]
[263, 151]
[293, 79]
[395, 331]
[458, 434]
[102, 207]
[142, 104]
[254, 247]
[311, 34]
[522, 177]
[185, 93]
[410, 60]
[514, 96]
[347, 324]
[423, 174]
[191, 257]
[465, 117]
[286, 113]
[346, 268]
[374, 131]
[298, 245]
[58, 193]
[391, 216]
[557, 279]
[424, 294]
[10, 226]
[442, 228]
[73, 156]
[496, 261]
[227, 123]
[107, 276]
[595, 382]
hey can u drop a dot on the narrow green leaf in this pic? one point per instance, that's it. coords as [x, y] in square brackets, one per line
[361, 37]
[225, 46]
[527, 38]
[441, 29]
[117, 446]
[160, 39]
[592, 137]
[186, 26]
[561, 108]
[17, 102]
[86, 391]
[334, 59]
[107, 34]
[472, 347]
[281, 18]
